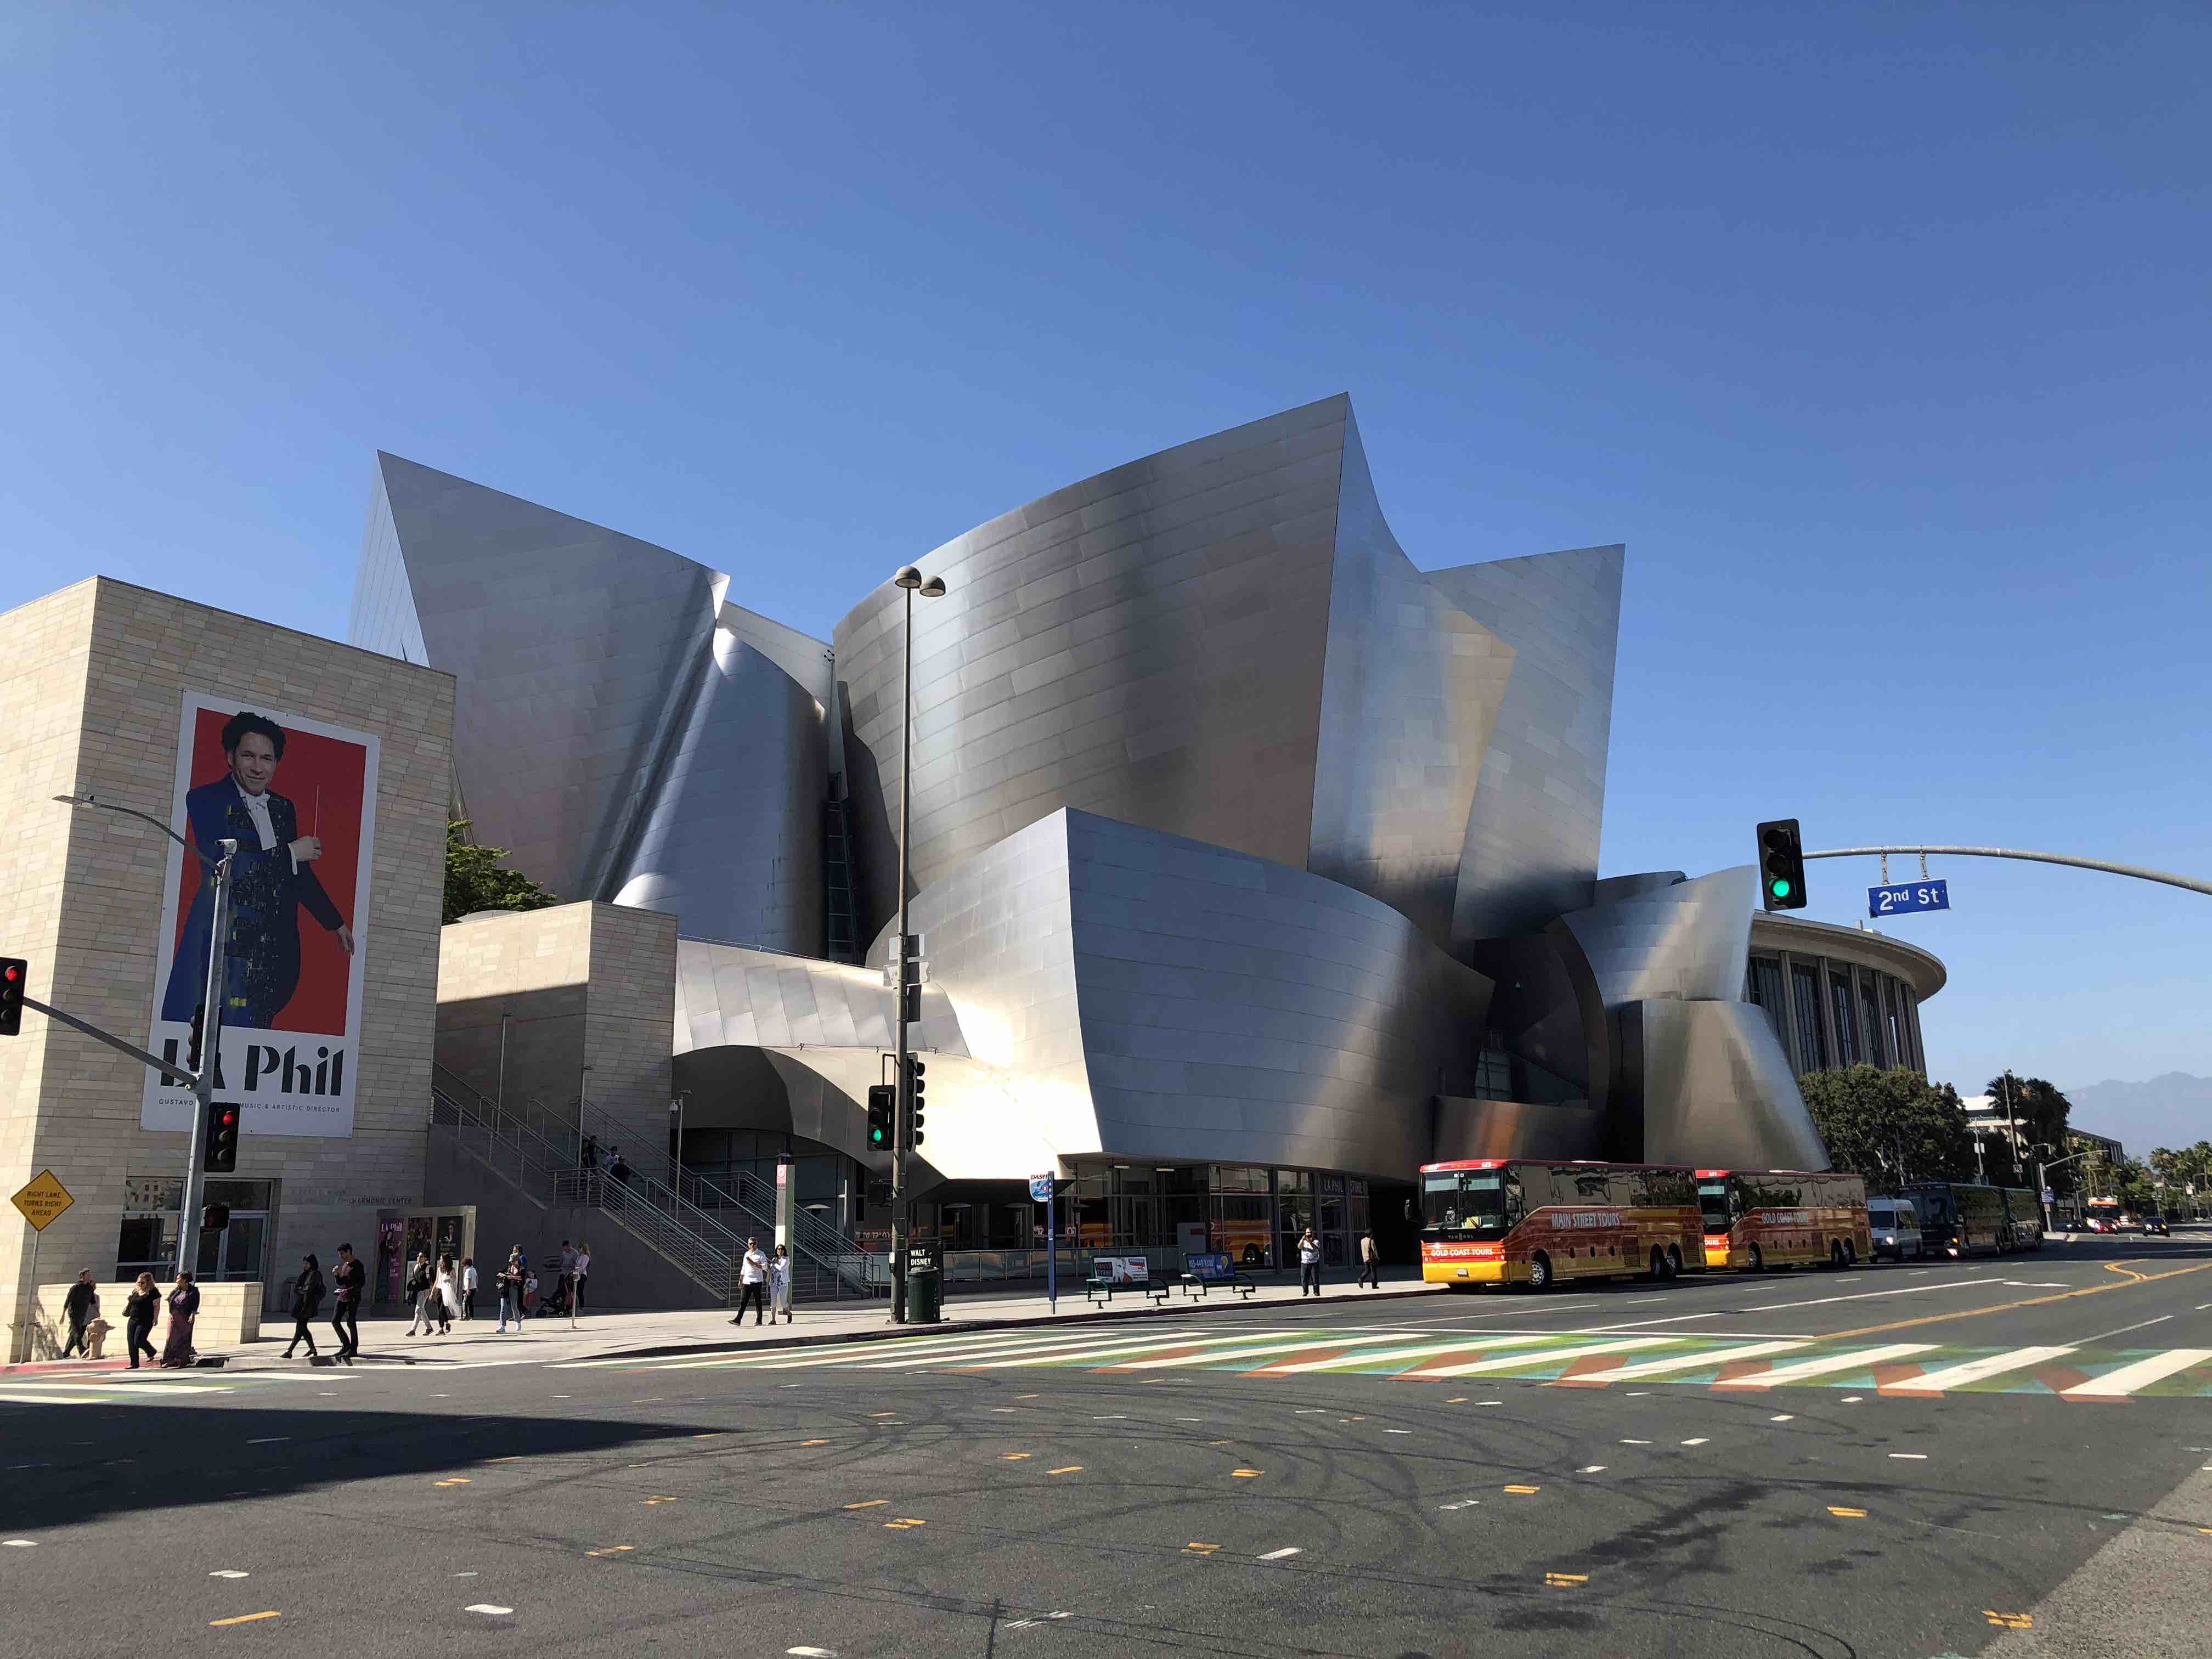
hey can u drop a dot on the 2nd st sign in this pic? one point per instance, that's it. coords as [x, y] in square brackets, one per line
[1908, 896]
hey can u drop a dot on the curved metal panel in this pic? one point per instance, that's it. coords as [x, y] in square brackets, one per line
[1685, 939]
[1531, 846]
[1717, 1089]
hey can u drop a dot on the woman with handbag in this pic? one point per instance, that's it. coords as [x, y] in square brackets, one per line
[420, 1282]
[184, 1312]
[446, 1296]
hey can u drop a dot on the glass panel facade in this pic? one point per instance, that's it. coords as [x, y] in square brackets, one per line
[1765, 988]
[1878, 1049]
[1843, 1005]
[1805, 994]
[1900, 1049]
[1254, 1214]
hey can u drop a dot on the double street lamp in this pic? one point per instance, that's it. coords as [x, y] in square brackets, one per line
[931, 587]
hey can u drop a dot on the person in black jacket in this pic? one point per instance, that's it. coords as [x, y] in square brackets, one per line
[350, 1277]
[140, 1310]
[82, 1304]
[307, 1303]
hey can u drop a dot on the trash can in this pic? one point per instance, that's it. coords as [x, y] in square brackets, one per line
[925, 1294]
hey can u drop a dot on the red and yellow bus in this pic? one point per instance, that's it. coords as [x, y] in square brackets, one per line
[1536, 1221]
[1755, 1220]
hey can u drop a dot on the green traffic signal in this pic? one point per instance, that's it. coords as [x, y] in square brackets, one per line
[1780, 886]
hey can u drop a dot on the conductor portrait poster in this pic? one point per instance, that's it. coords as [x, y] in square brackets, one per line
[299, 796]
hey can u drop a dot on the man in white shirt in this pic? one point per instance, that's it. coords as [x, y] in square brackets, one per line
[754, 1275]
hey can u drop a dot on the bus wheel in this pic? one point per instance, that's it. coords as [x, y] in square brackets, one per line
[1540, 1272]
[1836, 1254]
[1658, 1264]
[1758, 1260]
[1673, 1262]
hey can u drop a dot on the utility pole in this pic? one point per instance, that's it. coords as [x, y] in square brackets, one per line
[907, 974]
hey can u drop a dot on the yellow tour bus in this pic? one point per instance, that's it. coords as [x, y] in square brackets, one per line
[1536, 1221]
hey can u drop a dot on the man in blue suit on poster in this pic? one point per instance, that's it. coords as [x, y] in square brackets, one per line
[273, 878]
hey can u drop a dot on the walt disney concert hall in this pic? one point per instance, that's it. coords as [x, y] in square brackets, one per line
[1255, 865]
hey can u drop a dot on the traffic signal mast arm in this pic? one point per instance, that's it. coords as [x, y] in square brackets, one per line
[168, 1067]
[2136, 870]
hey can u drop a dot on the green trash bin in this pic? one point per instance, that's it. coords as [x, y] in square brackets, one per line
[925, 1295]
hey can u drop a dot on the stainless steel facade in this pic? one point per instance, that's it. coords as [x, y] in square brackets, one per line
[1238, 838]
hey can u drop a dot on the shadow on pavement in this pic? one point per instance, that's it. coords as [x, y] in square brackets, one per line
[65, 1465]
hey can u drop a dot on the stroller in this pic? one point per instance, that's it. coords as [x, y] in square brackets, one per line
[552, 1304]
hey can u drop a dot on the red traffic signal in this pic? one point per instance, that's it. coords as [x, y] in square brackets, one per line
[221, 1143]
[14, 980]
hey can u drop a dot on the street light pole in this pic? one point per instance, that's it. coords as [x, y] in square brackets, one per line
[911, 581]
[213, 989]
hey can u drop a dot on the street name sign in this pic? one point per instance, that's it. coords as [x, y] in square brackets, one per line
[1907, 896]
[42, 1199]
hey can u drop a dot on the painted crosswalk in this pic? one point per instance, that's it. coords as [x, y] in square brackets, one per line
[121, 1388]
[1596, 1358]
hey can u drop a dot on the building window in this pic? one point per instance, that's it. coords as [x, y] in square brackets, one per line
[1900, 1050]
[1765, 987]
[1805, 994]
[1847, 1035]
[1877, 1050]
[1911, 1023]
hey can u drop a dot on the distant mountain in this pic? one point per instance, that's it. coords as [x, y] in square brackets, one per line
[2174, 1110]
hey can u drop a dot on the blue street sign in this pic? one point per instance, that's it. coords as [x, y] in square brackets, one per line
[1041, 1188]
[1908, 896]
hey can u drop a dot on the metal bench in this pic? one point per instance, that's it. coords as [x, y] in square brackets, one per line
[1204, 1272]
[1099, 1288]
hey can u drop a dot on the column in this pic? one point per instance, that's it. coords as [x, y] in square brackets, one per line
[1825, 999]
[1789, 1014]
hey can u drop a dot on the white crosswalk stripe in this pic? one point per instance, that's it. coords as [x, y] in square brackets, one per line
[1297, 1345]
[1713, 1358]
[1550, 1355]
[1847, 1362]
[2117, 1385]
[1458, 1344]
[1976, 1371]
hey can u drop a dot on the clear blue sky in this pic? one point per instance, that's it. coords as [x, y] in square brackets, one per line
[1878, 333]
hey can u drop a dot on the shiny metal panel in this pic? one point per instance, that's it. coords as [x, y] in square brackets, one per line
[1717, 1089]
[1531, 847]
[1685, 939]
[622, 731]
[1410, 697]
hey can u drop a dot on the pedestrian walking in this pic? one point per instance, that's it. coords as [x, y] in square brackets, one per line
[422, 1280]
[307, 1303]
[754, 1275]
[140, 1310]
[184, 1313]
[80, 1307]
[510, 1291]
[468, 1287]
[349, 1277]
[1370, 1262]
[445, 1295]
[1308, 1264]
[576, 1289]
[779, 1284]
[589, 1153]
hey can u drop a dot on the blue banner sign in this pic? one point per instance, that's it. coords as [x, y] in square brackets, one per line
[1208, 1265]
[1041, 1188]
[1908, 896]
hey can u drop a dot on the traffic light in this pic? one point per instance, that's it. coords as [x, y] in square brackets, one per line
[15, 976]
[214, 1217]
[1781, 865]
[222, 1137]
[193, 1048]
[883, 1101]
[914, 1071]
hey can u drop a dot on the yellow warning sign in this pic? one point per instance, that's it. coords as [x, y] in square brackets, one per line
[42, 1199]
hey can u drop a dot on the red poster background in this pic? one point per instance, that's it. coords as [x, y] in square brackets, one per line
[320, 776]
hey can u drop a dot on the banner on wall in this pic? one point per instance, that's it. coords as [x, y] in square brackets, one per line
[299, 796]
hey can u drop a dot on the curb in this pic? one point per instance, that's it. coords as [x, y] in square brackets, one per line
[959, 1326]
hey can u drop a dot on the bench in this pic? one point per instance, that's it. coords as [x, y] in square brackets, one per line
[1206, 1271]
[1110, 1274]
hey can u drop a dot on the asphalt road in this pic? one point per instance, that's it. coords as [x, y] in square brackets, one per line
[2005, 1456]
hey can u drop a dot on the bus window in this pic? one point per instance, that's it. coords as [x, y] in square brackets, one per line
[1713, 1200]
[1473, 1201]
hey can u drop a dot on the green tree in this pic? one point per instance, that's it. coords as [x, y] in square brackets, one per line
[2039, 1111]
[477, 879]
[1890, 1126]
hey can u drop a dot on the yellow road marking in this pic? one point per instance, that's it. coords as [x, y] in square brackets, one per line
[904, 1524]
[1244, 1474]
[1199, 1549]
[1221, 1442]
[1076, 1468]
[712, 1434]
[1565, 1580]
[458, 1480]
[1524, 1490]
[242, 1619]
[883, 1413]
[2133, 1279]
[873, 1504]
[1024, 1396]
[613, 1549]
[813, 1442]
[1848, 1515]
[2010, 1621]
[650, 1501]
[1461, 1400]
[1013, 1457]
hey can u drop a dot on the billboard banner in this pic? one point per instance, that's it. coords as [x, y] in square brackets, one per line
[299, 796]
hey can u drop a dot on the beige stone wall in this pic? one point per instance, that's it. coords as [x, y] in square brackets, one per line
[579, 985]
[90, 682]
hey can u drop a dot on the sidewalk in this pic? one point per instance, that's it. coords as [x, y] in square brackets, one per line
[707, 1330]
